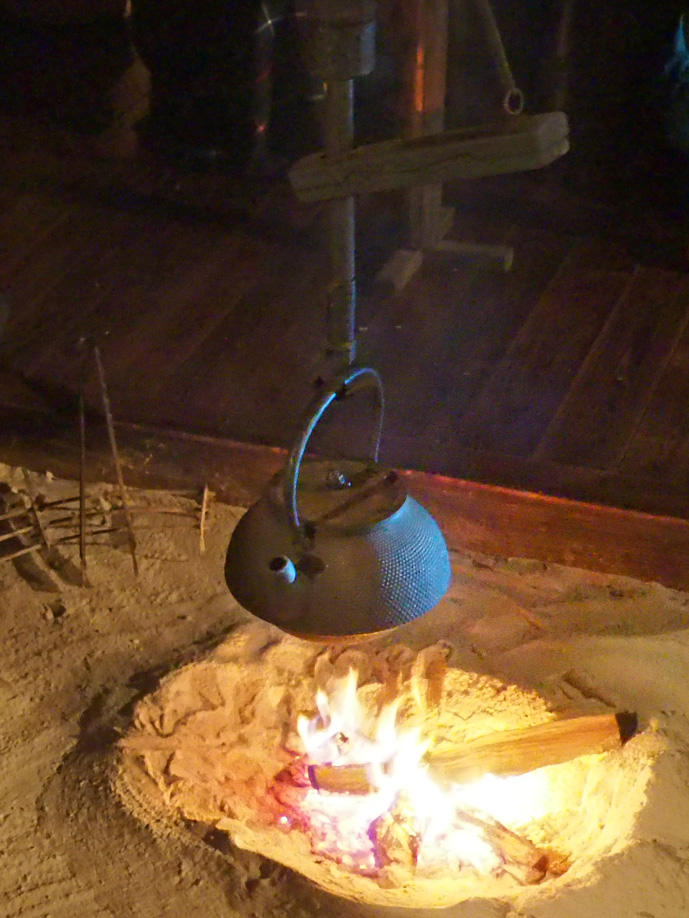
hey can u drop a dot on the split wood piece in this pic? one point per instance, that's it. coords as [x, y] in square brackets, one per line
[511, 752]
[395, 840]
[116, 457]
[424, 78]
[518, 145]
[523, 860]
[33, 504]
[40, 527]
[49, 552]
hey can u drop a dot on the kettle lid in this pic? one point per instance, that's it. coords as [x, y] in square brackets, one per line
[344, 495]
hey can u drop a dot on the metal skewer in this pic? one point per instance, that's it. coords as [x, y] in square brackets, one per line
[82, 472]
[116, 457]
[49, 504]
[202, 521]
[77, 536]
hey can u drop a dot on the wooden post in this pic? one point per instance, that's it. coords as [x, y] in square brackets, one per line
[424, 39]
[424, 85]
[555, 68]
[339, 134]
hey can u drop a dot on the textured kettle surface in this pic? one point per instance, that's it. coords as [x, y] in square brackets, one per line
[346, 584]
[337, 548]
[414, 564]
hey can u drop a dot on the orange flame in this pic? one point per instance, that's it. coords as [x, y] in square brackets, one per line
[343, 733]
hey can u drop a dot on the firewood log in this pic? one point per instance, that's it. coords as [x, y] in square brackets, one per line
[525, 861]
[509, 752]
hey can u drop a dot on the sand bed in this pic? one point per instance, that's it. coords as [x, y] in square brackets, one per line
[77, 661]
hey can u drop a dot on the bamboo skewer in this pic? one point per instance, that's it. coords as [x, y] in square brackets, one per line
[509, 752]
[20, 552]
[14, 514]
[33, 523]
[17, 532]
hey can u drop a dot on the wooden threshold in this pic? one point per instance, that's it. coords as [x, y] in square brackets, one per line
[477, 517]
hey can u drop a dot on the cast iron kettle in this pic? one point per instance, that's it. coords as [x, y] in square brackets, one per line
[337, 548]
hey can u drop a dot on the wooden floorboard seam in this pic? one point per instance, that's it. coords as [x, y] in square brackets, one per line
[643, 414]
[550, 434]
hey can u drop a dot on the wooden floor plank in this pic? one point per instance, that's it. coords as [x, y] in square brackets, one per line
[483, 325]
[232, 374]
[473, 517]
[9, 197]
[635, 490]
[136, 313]
[518, 402]
[214, 292]
[191, 313]
[122, 260]
[427, 330]
[660, 445]
[30, 278]
[24, 223]
[407, 337]
[186, 332]
[61, 308]
[617, 380]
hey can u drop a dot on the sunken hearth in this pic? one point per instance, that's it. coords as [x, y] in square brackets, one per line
[245, 742]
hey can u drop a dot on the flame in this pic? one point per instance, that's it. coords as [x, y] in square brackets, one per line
[406, 802]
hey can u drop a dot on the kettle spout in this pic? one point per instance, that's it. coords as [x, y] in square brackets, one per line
[283, 569]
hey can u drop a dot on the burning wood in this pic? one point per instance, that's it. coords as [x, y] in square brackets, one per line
[512, 752]
[395, 840]
[217, 739]
[415, 805]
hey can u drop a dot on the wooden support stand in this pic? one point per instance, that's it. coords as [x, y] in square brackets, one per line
[425, 84]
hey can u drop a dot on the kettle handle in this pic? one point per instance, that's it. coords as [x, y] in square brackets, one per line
[349, 382]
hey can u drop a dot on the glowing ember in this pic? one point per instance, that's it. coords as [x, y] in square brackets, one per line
[408, 818]
[216, 745]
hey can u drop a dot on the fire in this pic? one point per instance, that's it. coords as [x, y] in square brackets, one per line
[407, 818]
